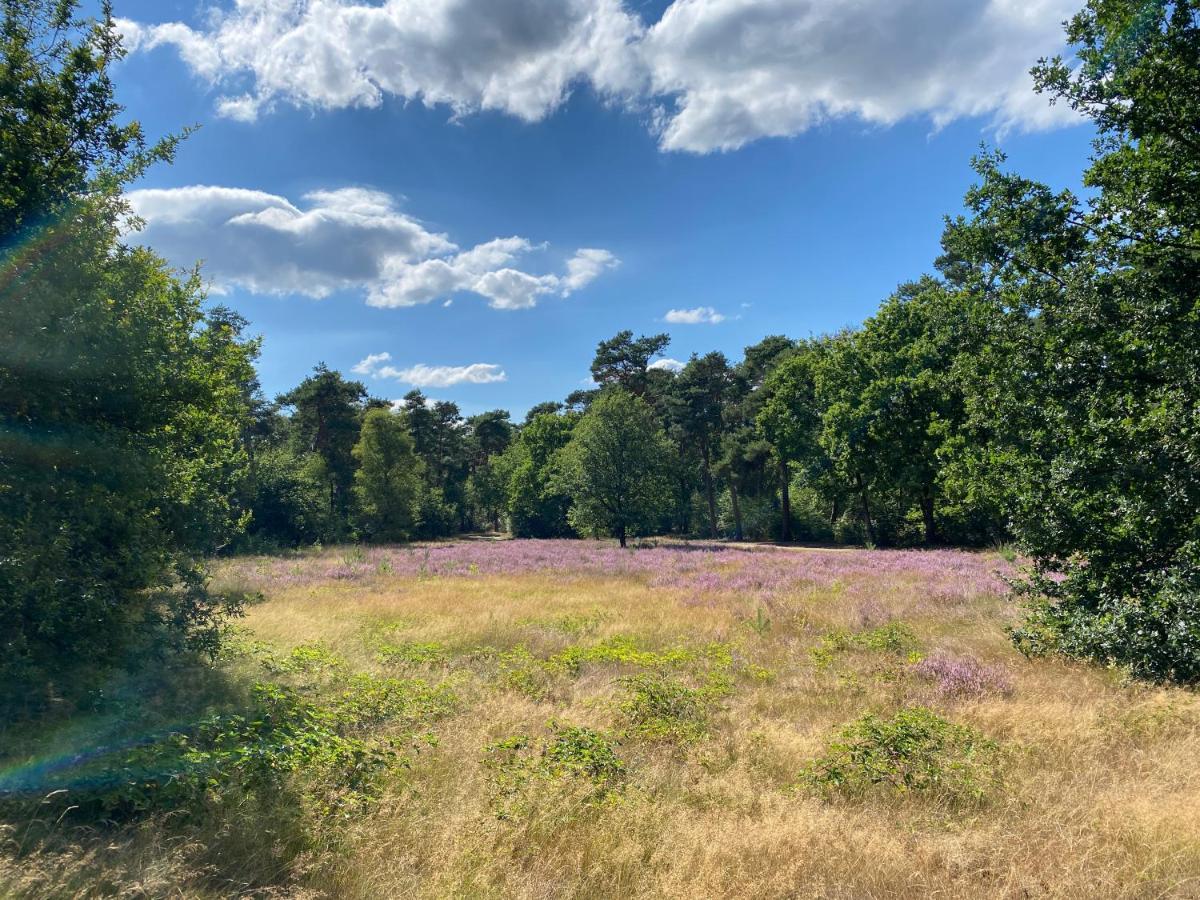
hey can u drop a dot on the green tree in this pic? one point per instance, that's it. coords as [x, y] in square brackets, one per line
[613, 468]
[702, 391]
[625, 360]
[387, 481]
[536, 508]
[122, 402]
[789, 417]
[326, 417]
[1090, 388]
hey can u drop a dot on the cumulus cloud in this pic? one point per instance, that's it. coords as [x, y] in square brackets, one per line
[517, 56]
[736, 70]
[714, 74]
[667, 364]
[375, 365]
[700, 315]
[352, 238]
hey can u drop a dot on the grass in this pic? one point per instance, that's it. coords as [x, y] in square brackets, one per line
[555, 719]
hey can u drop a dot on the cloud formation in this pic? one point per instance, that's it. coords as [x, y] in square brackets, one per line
[376, 365]
[699, 315]
[714, 74]
[352, 238]
[667, 364]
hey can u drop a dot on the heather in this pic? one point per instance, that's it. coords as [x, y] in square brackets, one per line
[702, 570]
[516, 718]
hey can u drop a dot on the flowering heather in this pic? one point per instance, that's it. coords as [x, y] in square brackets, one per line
[960, 677]
[703, 571]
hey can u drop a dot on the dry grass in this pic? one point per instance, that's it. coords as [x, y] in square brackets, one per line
[1100, 791]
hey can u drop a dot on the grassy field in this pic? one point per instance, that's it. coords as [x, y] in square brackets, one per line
[565, 719]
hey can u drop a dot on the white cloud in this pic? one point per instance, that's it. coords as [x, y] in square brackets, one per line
[714, 74]
[517, 56]
[371, 364]
[700, 315]
[737, 70]
[352, 238]
[422, 375]
[667, 364]
[586, 266]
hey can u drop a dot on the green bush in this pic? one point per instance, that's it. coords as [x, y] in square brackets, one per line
[520, 764]
[913, 752]
[894, 637]
[1154, 635]
[659, 707]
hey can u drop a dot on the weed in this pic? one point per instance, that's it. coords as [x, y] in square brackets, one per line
[760, 624]
[415, 653]
[915, 751]
[893, 637]
[306, 659]
[658, 707]
[519, 764]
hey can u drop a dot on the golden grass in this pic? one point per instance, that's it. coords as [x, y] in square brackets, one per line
[1101, 794]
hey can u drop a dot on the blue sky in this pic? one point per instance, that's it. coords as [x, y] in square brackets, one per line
[357, 171]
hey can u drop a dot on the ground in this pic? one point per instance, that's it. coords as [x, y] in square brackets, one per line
[567, 719]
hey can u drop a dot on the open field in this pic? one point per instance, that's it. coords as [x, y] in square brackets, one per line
[578, 721]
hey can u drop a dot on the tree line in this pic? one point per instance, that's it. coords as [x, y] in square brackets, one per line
[1038, 386]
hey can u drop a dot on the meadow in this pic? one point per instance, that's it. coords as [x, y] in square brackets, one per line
[545, 719]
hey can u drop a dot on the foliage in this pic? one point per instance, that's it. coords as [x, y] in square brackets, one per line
[1087, 386]
[612, 468]
[387, 479]
[122, 399]
[519, 765]
[661, 707]
[913, 752]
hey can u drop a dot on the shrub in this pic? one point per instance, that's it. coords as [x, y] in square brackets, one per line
[915, 751]
[226, 757]
[413, 653]
[520, 764]
[1155, 635]
[659, 707]
[893, 637]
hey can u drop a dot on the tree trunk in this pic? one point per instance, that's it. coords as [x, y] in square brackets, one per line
[835, 511]
[931, 535]
[737, 511]
[866, 505]
[712, 500]
[786, 498]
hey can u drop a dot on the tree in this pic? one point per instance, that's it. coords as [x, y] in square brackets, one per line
[122, 402]
[789, 417]
[1091, 401]
[60, 139]
[748, 456]
[326, 420]
[625, 361]
[613, 466]
[910, 394]
[702, 390]
[536, 508]
[388, 479]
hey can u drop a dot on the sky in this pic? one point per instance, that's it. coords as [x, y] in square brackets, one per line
[466, 196]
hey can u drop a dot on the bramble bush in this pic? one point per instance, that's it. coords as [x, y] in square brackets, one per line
[914, 752]
[520, 763]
